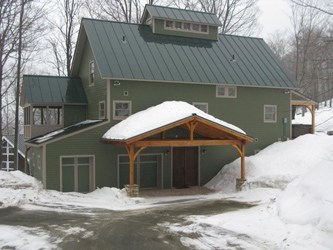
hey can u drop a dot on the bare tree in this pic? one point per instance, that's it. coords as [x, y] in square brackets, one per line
[117, 10]
[64, 27]
[324, 6]
[10, 25]
[237, 16]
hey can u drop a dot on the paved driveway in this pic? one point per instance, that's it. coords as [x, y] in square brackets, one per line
[102, 229]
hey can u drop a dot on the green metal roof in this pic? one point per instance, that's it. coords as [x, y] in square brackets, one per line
[132, 51]
[53, 89]
[163, 12]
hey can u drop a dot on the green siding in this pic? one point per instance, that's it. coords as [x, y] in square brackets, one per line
[159, 29]
[74, 114]
[35, 156]
[97, 92]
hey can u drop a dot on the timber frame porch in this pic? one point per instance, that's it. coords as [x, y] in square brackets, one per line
[201, 132]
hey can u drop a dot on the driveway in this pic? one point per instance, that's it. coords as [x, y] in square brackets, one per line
[103, 229]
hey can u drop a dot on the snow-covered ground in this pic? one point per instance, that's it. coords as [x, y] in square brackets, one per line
[289, 182]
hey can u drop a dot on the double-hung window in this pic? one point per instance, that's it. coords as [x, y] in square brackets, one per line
[91, 73]
[121, 109]
[270, 113]
[102, 110]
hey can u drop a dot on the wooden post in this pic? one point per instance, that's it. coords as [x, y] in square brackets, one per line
[131, 158]
[243, 161]
[313, 122]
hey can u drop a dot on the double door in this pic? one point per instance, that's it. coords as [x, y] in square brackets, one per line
[185, 166]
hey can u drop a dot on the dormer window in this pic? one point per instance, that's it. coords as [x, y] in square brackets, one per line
[169, 24]
[186, 27]
[178, 25]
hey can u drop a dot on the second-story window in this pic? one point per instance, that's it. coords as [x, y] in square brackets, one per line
[27, 116]
[226, 91]
[101, 110]
[203, 106]
[121, 109]
[91, 73]
[54, 115]
[39, 115]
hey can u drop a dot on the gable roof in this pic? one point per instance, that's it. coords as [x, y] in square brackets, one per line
[163, 12]
[170, 114]
[132, 51]
[52, 89]
[11, 138]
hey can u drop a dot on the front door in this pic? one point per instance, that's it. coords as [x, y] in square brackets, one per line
[185, 167]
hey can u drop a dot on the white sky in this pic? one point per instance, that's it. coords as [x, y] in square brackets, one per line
[274, 16]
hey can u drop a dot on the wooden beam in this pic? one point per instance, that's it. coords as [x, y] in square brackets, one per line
[130, 151]
[313, 122]
[184, 143]
[243, 162]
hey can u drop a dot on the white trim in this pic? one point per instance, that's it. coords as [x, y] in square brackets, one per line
[226, 91]
[275, 114]
[200, 83]
[11, 144]
[117, 118]
[108, 99]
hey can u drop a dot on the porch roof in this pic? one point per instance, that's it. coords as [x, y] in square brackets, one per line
[169, 115]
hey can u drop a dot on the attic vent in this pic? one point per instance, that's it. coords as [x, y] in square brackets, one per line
[124, 39]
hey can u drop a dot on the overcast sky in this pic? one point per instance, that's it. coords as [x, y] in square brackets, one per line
[274, 16]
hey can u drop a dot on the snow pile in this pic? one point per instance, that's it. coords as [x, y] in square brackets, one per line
[158, 116]
[17, 189]
[323, 119]
[276, 165]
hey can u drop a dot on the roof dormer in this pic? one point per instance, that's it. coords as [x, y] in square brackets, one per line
[179, 22]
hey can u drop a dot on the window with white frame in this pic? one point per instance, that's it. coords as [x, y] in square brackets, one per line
[203, 106]
[45, 115]
[226, 91]
[91, 73]
[121, 109]
[270, 113]
[7, 156]
[101, 110]
[187, 27]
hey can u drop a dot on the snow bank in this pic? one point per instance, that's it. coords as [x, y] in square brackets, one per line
[309, 199]
[277, 165]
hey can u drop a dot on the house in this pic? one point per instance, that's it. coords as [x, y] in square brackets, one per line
[8, 153]
[120, 69]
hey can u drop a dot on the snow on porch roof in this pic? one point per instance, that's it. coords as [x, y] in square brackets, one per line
[158, 116]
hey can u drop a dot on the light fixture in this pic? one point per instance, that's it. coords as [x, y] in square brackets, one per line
[286, 91]
[116, 83]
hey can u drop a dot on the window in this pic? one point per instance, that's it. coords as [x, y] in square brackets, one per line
[50, 115]
[270, 113]
[54, 115]
[226, 91]
[169, 24]
[204, 28]
[91, 73]
[121, 109]
[27, 116]
[187, 26]
[203, 106]
[195, 27]
[178, 25]
[102, 110]
[39, 115]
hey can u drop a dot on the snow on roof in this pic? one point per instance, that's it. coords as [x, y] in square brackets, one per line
[158, 116]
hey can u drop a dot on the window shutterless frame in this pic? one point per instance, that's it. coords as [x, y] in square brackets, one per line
[226, 91]
[270, 113]
[121, 109]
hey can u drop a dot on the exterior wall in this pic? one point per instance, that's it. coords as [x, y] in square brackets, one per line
[36, 162]
[74, 114]
[97, 92]
[159, 29]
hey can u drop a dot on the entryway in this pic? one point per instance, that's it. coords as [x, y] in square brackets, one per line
[185, 166]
